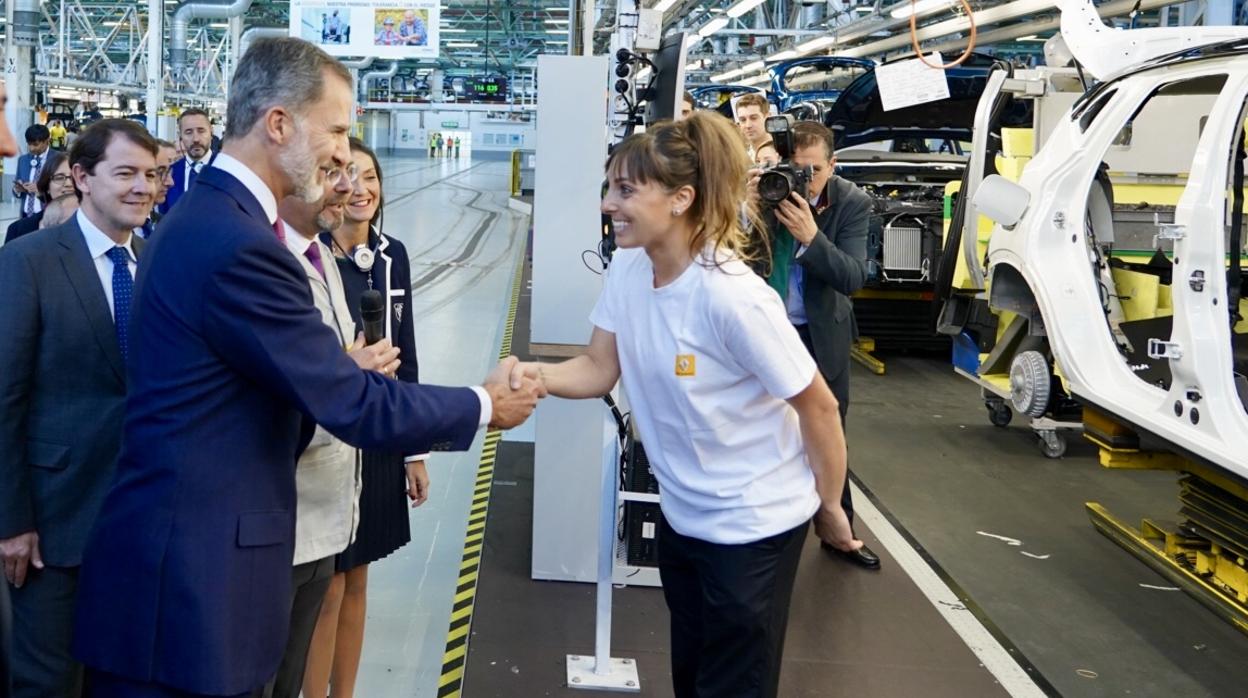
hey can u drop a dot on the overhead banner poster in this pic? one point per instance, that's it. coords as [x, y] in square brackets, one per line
[388, 29]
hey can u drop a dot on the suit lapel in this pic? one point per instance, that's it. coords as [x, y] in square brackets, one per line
[80, 270]
[226, 182]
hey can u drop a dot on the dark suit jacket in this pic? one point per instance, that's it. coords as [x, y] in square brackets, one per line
[186, 578]
[22, 226]
[178, 189]
[62, 391]
[391, 275]
[23, 175]
[834, 266]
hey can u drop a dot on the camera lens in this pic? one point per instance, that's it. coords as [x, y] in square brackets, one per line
[774, 187]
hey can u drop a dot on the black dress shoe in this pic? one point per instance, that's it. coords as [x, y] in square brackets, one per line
[863, 557]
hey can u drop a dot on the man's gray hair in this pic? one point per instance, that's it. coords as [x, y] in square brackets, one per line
[286, 72]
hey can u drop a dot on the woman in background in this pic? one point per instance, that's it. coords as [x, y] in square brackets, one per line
[368, 259]
[54, 181]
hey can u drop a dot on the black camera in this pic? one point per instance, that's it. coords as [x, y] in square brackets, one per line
[776, 183]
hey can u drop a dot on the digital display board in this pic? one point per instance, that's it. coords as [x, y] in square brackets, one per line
[486, 89]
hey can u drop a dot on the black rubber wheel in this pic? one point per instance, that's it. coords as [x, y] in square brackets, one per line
[1000, 415]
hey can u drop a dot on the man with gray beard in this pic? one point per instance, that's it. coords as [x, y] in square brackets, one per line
[327, 476]
[185, 586]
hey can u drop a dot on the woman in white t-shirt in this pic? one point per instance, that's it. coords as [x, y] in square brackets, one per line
[731, 407]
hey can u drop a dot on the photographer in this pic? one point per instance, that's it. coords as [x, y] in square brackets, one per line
[818, 258]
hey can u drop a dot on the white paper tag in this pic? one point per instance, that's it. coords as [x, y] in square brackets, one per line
[647, 530]
[907, 83]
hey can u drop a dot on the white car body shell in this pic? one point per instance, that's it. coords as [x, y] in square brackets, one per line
[1047, 247]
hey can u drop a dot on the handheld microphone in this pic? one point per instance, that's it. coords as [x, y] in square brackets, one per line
[372, 316]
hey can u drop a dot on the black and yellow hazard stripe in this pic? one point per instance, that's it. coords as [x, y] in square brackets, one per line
[456, 654]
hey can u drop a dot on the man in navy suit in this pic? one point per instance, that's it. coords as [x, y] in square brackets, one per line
[28, 168]
[164, 175]
[195, 132]
[8, 148]
[185, 586]
[62, 392]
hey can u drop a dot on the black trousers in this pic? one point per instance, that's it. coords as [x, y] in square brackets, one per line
[729, 606]
[309, 582]
[839, 384]
[43, 624]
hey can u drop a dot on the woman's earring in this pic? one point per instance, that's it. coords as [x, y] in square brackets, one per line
[677, 211]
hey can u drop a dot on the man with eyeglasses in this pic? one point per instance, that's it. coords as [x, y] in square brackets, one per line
[164, 180]
[327, 475]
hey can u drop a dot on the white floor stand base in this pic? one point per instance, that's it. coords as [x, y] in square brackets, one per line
[621, 677]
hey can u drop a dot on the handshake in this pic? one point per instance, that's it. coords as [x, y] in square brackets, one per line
[514, 389]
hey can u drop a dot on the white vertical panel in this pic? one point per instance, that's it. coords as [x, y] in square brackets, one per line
[571, 149]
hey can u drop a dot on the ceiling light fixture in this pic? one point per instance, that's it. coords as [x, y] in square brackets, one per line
[452, 30]
[906, 9]
[816, 44]
[722, 77]
[782, 56]
[557, 21]
[751, 67]
[461, 44]
[663, 5]
[742, 7]
[713, 26]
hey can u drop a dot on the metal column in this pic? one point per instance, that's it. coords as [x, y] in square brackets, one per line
[23, 24]
[155, 65]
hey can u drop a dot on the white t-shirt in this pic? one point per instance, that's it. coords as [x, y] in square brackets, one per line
[708, 362]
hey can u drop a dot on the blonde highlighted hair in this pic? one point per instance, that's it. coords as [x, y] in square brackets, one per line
[705, 152]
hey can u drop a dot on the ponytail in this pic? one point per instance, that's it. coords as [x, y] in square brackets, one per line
[707, 153]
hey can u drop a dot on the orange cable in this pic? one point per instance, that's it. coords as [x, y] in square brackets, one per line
[914, 37]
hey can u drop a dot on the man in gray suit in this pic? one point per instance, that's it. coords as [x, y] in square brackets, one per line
[65, 315]
[327, 476]
[819, 258]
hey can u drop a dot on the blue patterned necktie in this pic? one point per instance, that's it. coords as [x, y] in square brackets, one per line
[123, 296]
[190, 176]
[30, 200]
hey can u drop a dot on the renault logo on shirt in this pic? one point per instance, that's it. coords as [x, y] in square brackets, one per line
[686, 365]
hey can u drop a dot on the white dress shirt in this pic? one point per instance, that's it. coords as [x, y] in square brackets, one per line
[327, 477]
[252, 182]
[188, 164]
[98, 244]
